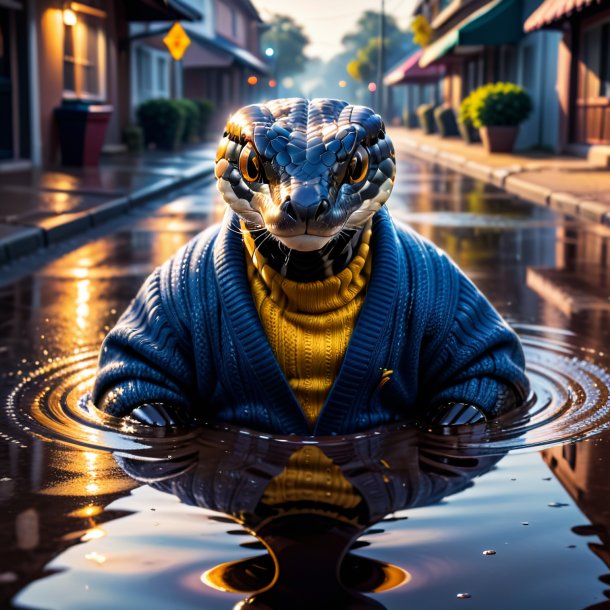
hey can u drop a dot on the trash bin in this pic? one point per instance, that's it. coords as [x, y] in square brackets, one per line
[82, 128]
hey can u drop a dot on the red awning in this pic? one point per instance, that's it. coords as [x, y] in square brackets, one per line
[409, 71]
[551, 11]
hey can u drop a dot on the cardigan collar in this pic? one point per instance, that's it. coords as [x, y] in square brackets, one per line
[365, 356]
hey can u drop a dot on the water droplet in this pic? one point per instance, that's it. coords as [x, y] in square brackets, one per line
[557, 504]
[463, 596]
[525, 523]
[489, 552]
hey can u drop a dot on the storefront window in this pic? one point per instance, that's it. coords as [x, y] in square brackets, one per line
[85, 58]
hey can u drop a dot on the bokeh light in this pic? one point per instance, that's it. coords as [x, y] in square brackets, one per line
[252, 80]
[372, 87]
[342, 83]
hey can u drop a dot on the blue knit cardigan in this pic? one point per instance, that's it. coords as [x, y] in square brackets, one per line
[425, 335]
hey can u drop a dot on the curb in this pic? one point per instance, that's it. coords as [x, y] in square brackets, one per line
[508, 179]
[19, 240]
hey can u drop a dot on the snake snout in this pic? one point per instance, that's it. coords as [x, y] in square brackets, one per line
[302, 213]
[306, 204]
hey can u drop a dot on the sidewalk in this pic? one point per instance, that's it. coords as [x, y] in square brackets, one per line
[567, 184]
[41, 207]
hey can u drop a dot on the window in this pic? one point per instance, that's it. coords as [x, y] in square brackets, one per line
[150, 69]
[85, 58]
[144, 75]
[595, 77]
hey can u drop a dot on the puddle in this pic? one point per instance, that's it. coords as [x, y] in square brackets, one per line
[570, 401]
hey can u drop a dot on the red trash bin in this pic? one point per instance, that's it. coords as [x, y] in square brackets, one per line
[82, 128]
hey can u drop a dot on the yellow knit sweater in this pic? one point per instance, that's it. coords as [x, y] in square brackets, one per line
[309, 324]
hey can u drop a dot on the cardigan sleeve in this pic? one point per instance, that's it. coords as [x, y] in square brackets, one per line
[143, 359]
[479, 360]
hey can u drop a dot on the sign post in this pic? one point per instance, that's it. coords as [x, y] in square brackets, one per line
[177, 41]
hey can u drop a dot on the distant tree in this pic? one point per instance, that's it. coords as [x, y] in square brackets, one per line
[288, 41]
[362, 45]
[364, 67]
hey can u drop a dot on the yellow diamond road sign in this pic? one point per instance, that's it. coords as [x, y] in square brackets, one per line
[177, 41]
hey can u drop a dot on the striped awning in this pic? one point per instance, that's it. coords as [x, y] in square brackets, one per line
[409, 71]
[552, 11]
[495, 23]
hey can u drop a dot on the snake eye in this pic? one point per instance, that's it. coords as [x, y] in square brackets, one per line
[250, 164]
[358, 166]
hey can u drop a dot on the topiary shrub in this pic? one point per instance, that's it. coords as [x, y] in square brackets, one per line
[163, 123]
[190, 132]
[444, 117]
[206, 110]
[499, 104]
[425, 116]
[133, 136]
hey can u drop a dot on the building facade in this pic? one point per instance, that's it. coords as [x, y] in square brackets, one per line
[54, 53]
[583, 71]
[478, 42]
[224, 52]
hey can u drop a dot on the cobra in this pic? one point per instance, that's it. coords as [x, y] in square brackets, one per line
[308, 174]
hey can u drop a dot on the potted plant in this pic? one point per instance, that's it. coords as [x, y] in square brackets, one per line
[464, 121]
[425, 116]
[444, 117]
[497, 110]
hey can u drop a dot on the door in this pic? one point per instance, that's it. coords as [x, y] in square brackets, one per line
[593, 100]
[6, 89]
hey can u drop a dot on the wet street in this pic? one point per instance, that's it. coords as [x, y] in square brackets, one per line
[79, 533]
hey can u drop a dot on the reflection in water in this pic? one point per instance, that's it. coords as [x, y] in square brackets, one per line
[583, 470]
[307, 502]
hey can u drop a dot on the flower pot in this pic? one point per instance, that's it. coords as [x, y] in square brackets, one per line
[468, 132]
[499, 138]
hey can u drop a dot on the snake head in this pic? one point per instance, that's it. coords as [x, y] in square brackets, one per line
[305, 169]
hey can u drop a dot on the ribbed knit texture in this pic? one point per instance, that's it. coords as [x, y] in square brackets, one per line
[309, 324]
[193, 337]
[311, 476]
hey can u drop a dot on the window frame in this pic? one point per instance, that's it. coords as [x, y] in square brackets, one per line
[92, 26]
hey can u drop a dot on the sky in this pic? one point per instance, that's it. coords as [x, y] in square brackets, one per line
[326, 22]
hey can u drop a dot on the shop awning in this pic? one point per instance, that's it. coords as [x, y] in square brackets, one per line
[409, 71]
[240, 55]
[498, 22]
[552, 11]
[161, 10]
[206, 52]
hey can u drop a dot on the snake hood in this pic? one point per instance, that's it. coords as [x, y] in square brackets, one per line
[305, 171]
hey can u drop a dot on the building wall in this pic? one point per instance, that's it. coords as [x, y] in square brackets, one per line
[537, 74]
[50, 74]
[231, 22]
[114, 72]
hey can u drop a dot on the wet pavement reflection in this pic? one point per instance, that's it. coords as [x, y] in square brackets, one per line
[82, 528]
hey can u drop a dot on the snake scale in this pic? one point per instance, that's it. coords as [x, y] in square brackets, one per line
[306, 179]
[306, 176]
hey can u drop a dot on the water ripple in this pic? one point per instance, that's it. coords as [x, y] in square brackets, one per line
[570, 402]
